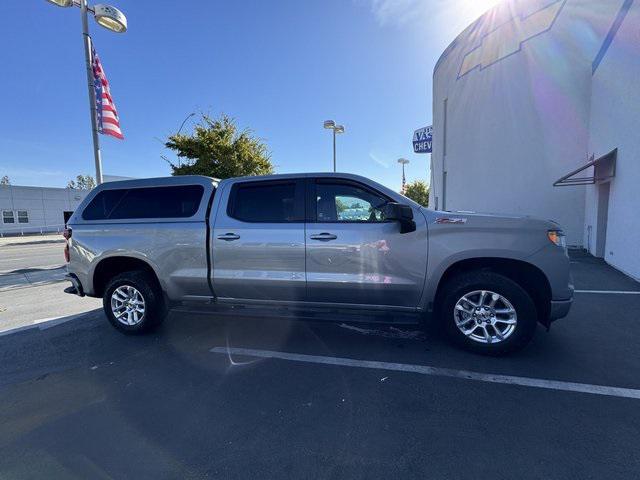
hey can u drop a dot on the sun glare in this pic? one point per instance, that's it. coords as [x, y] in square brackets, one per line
[472, 9]
[456, 15]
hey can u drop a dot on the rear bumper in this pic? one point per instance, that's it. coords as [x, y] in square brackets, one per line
[76, 286]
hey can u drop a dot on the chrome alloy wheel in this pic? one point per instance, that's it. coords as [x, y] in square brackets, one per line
[127, 305]
[485, 316]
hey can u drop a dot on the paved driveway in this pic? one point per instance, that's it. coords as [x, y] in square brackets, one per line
[319, 400]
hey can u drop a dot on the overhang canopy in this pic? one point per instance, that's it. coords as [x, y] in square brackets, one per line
[604, 169]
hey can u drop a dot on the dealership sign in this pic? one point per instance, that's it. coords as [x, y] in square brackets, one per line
[422, 140]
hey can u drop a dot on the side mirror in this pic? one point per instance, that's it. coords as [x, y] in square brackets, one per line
[400, 213]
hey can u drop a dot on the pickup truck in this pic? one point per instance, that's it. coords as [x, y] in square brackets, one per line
[324, 245]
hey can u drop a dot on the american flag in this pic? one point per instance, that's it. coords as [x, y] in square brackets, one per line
[108, 122]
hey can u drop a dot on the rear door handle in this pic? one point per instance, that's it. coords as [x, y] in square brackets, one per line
[228, 237]
[323, 237]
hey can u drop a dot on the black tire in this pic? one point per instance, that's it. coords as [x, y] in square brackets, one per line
[520, 300]
[154, 305]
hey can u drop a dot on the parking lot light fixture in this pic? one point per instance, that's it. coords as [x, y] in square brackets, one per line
[403, 162]
[62, 3]
[331, 125]
[112, 19]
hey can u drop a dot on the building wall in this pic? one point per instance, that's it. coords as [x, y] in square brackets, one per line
[45, 207]
[614, 123]
[518, 87]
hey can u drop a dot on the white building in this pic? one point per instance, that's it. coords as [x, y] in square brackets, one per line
[36, 209]
[530, 92]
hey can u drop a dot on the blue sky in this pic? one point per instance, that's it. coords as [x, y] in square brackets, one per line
[278, 67]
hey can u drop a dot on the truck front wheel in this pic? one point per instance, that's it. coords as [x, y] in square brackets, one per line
[133, 302]
[487, 313]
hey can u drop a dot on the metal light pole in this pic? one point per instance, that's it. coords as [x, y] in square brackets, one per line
[330, 124]
[97, 158]
[403, 162]
[112, 19]
[185, 121]
[180, 129]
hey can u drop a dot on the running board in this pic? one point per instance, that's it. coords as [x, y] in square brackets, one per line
[325, 314]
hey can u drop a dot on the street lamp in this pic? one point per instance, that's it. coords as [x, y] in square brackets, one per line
[185, 121]
[330, 124]
[180, 129]
[403, 162]
[112, 19]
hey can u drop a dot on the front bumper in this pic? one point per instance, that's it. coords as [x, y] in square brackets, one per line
[559, 309]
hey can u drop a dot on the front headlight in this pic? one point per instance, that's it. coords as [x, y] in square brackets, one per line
[557, 237]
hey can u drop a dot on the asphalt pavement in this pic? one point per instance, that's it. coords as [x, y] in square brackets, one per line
[237, 397]
[31, 269]
[33, 252]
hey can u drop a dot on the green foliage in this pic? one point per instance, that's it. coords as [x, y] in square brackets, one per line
[82, 182]
[418, 191]
[340, 205]
[217, 148]
[5, 180]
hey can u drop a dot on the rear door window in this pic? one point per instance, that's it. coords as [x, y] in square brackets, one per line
[267, 202]
[180, 201]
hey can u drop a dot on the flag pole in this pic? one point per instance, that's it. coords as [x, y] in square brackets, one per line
[92, 92]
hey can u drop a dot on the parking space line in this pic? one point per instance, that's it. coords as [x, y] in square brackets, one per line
[46, 323]
[437, 372]
[616, 292]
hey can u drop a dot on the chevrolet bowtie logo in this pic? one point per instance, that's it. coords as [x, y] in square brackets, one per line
[507, 38]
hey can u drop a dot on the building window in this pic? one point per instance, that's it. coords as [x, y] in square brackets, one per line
[23, 216]
[7, 217]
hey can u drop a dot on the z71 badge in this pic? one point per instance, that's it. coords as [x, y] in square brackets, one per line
[451, 220]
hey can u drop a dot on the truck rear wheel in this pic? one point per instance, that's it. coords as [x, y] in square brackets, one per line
[133, 302]
[487, 313]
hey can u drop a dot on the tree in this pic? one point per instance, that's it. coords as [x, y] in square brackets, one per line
[217, 148]
[5, 180]
[341, 206]
[418, 191]
[82, 182]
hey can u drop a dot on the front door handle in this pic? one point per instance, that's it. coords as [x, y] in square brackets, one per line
[228, 237]
[323, 237]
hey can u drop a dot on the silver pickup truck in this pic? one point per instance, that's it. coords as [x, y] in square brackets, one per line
[318, 246]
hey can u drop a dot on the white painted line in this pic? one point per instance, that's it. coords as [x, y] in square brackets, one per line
[17, 329]
[45, 323]
[615, 292]
[437, 372]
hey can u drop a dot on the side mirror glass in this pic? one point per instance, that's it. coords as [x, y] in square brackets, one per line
[403, 214]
